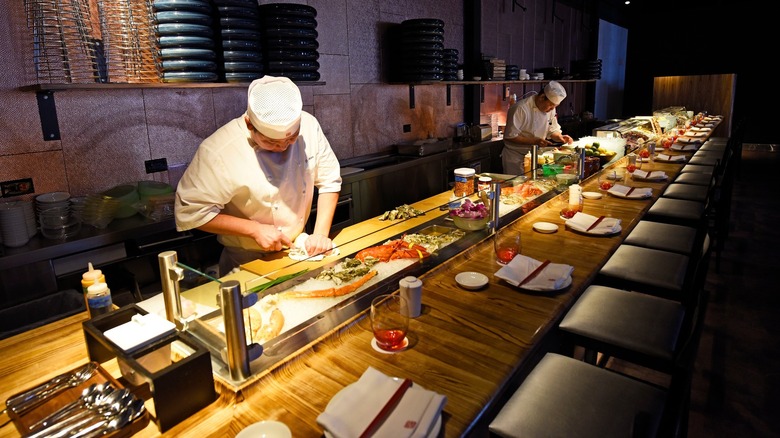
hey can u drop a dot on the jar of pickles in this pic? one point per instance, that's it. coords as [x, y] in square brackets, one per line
[464, 181]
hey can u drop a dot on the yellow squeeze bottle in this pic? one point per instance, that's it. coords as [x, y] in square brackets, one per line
[89, 278]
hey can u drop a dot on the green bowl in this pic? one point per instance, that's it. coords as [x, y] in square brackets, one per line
[470, 224]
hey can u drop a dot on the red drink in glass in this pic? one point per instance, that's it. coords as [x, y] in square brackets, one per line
[390, 339]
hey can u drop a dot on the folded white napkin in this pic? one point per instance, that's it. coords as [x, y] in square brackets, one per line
[686, 139]
[685, 147]
[349, 414]
[298, 250]
[693, 133]
[552, 277]
[582, 221]
[655, 174]
[621, 190]
[672, 158]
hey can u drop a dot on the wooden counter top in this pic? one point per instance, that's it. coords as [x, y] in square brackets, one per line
[467, 345]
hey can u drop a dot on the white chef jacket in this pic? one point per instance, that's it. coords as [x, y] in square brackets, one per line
[524, 119]
[228, 176]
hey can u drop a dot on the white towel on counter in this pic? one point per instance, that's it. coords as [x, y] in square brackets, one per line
[582, 221]
[552, 277]
[638, 192]
[659, 175]
[672, 158]
[685, 146]
[298, 250]
[351, 411]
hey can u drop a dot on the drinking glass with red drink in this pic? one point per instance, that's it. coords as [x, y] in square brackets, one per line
[506, 244]
[390, 321]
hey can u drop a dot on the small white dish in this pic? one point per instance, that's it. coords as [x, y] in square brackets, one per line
[591, 195]
[546, 227]
[471, 280]
[265, 429]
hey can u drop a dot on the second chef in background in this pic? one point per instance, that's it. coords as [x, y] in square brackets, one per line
[252, 181]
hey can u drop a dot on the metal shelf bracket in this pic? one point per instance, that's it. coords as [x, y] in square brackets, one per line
[47, 111]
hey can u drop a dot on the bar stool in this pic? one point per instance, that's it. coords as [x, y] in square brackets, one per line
[565, 397]
[690, 192]
[677, 211]
[698, 168]
[665, 237]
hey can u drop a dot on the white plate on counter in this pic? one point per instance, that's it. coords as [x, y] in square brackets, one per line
[265, 429]
[471, 280]
[546, 227]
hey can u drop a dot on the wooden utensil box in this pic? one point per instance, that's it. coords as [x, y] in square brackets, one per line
[176, 368]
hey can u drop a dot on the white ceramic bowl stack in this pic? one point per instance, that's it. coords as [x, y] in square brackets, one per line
[14, 229]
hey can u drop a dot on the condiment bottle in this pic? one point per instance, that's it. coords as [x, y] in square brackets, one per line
[411, 290]
[464, 181]
[99, 299]
[89, 278]
[575, 197]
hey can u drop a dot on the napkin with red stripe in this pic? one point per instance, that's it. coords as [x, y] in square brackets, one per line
[583, 222]
[351, 411]
[552, 277]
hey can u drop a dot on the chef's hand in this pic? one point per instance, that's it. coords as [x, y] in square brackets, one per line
[317, 244]
[566, 139]
[271, 239]
[543, 143]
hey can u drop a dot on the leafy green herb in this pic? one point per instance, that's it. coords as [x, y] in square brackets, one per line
[275, 281]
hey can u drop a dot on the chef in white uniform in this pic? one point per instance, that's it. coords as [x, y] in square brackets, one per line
[252, 181]
[531, 121]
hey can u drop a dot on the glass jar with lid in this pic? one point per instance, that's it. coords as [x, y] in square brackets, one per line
[464, 181]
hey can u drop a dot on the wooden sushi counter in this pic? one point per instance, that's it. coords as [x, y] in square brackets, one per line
[471, 346]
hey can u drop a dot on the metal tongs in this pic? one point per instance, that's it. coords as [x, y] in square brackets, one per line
[21, 403]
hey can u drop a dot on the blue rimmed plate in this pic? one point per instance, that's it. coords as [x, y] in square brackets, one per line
[239, 22]
[291, 43]
[182, 5]
[293, 55]
[288, 9]
[186, 41]
[167, 29]
[297, 75]
[188, 65]
[238, 11]
[186, 52]
[241, 44]
[281, 20]
[293, 65]
[182, 17]
[242, 77]
[289, 32]
[243, 66]
[243, 34]
[242, 55]
[189, 76]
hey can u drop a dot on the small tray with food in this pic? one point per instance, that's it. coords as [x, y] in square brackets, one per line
[84, 400]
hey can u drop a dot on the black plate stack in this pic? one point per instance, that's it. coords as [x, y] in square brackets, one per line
[186, 40]
[512, 72]
[241, 57]
[421, 50]
[449, 65]
[289, 38]
[587, 69]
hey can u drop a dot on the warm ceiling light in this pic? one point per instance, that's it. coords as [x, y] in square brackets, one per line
[628, 2]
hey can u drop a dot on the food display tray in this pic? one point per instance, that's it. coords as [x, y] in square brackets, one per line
[25, 421]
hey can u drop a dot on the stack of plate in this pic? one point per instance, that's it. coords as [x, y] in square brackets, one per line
[186, 40]
[239, 29]
[587, 69]
[422, 50]
[15, 226]
[289, 39]
[450, 64]
[512, 72]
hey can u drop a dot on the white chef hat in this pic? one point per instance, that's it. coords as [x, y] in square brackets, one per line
[274, 106]
[555, 92]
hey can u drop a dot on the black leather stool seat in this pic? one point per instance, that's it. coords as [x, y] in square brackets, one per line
[648, 270]
[698, 168]
[714, 146]
[614, 321]
[664, 237]
[687, 191]
[710, 153]
[699, 179]
[677, 211]
[564, 397]
[705, 160]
